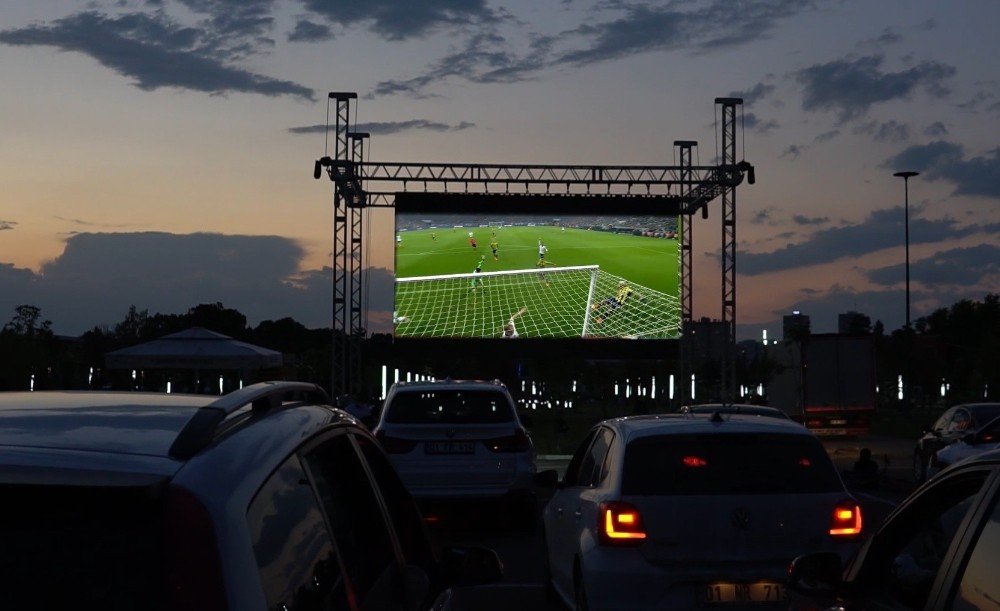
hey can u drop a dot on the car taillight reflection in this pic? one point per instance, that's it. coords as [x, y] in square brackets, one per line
[518, 442]
[620, 524]
[846, 521]
[395, 445]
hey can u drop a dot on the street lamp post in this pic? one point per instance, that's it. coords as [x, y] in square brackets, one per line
[906, 189]
[906, 207]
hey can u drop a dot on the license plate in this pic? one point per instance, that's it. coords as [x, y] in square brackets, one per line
[838, 422]
[449, 447]
[721, 593]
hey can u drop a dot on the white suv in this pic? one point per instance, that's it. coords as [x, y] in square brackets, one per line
[459, 439]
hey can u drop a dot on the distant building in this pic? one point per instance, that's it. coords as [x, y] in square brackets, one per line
[707, 340]
[854, 323]
[795, 326]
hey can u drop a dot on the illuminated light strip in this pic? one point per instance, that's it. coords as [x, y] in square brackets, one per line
[850, 530]
[609, 527]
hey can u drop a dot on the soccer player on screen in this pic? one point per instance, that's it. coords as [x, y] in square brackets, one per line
[509, 329]
[476, 281]
[472, 241]
[494, 246]
[610, 304]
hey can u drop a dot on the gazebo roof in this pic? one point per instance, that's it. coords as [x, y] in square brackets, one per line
[194, 348]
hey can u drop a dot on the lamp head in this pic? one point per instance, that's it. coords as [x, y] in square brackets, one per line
[905, 175]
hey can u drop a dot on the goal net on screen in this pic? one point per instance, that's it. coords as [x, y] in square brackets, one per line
[576, 301]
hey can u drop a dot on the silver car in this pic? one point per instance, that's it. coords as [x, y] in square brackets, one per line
[683, 510]
[459, 439]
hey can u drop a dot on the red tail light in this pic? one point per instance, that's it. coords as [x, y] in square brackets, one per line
[518, 442]
[194, 571]
[620, 524]
[395, 445]
[846, 521]
[694, 461]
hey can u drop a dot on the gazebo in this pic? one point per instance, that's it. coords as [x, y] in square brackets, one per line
[196, 349]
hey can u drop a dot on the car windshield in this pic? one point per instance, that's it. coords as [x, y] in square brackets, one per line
[731, 463]
[986, 412]
[83, 547]
[449, 406]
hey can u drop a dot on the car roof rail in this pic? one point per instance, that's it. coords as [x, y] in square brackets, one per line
[262, 397]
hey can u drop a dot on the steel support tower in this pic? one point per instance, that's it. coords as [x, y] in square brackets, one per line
[339, 367]
[685, 365]
[727, 388]
[354, 271]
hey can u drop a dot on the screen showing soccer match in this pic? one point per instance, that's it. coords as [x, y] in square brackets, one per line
[523, 276]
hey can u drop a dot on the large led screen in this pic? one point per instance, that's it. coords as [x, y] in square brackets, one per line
[523, 276]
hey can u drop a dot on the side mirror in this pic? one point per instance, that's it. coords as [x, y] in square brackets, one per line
[526, 420]
[547, 479]
[817, 574]
[471, 566]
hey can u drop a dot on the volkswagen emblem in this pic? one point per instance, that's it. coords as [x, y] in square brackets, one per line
[741, 519]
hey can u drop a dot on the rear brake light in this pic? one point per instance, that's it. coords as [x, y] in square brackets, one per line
[194, 572]
[395, 445]
[846, 520]
[518, 442]
[694, 461]
[620, 524]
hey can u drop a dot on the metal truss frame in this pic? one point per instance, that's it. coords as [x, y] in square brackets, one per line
[684, 188]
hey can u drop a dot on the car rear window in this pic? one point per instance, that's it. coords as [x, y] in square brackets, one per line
[449, 406]
[732, 463]
[82, 547]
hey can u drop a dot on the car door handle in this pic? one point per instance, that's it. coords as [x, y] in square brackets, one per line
[577, 514]
[559, 511]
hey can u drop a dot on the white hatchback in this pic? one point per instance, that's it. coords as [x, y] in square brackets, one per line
[684, 510]
[459, 439]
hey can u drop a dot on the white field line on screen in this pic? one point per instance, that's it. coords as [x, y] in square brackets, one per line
[510, 272]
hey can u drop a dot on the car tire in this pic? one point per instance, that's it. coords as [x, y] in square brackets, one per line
[919, 468]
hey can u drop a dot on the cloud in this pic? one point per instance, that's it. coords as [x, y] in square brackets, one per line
[484, 58]
[307, 31]
[709, 27]
[753, 95]
[382, 128]
[927, 25]
[794, 151]
[751, 121]
[887, 37]
[825, 136]
[936, 130]
[7, 225]
[852, 87]
[156, 52]
[395, 20]
[979, 100]
[946, 161]
[801, 219]
[880, 230]
[971, 266]
[489, 57]
[99, 275]
[763, 216]
[889, 131]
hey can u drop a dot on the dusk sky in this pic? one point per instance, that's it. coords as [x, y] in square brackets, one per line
[159, 153]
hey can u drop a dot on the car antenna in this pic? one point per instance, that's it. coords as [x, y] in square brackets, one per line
[716, 417]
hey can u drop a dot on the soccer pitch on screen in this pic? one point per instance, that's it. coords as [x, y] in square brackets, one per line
[589, 277]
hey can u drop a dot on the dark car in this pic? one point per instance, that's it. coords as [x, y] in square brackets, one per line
[940, 549]
[953, 425]
[265, 498]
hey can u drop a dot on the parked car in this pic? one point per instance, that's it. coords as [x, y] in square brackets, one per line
[953, 425]
[680, 510]
[939, 549]
[735, 408]
[460, 440]
[976, 442]
[265, 498]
